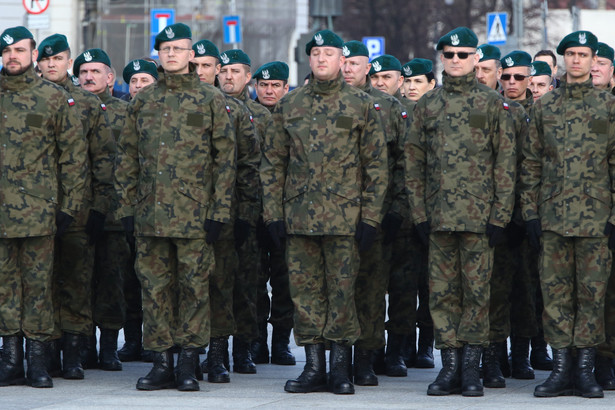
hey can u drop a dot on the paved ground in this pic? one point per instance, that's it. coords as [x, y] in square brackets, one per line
[116, 390]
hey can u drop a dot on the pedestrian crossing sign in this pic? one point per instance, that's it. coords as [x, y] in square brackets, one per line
[496, 28]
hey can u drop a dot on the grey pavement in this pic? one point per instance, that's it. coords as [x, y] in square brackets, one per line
[116, 390]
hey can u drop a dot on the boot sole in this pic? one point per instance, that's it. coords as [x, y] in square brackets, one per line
[14, 382]
[498, 385]
[442, 392]
[40, 385]
[322, 388]
[472, 393]
[149, 387]
[226, 379]
[283, 362]
[189, 388]
[547, 394]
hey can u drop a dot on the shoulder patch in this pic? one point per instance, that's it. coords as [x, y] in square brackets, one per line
[103, 106]
[71, 102]
[228, 109]
[251, 118]
[404, 115]
[505, 105]
[377, 107]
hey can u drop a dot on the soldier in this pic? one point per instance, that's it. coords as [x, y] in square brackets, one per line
[74, 256]
[567, 203]
[549, 57]
[418, 78]
[540, 81]
[324, 176]
[460, 176]
[271, 85]
[44, 175]
[139, 73]
[602, 71]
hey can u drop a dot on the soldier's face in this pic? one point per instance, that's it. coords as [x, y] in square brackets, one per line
[94, 77]
[326, 62]
[355, 70]
[540, 85]
[578, 62]
[488, 73]
[270, 91]
[414, 87]
[138, 81]
[515, 88]
[457, 67]
[55, 68]
[602, 73]
[18, 57]
[175, 56]
[234, 77]
[207, 67]
[387, 81]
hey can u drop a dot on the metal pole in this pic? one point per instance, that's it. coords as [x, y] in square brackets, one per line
[233, 12]
[545, 13]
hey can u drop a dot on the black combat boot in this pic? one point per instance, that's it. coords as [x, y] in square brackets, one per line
[395, 366]
[280, 351]
[133, 345]
[604, 372]
[11, 364]
[363, 372]
[520, 362]
[108, 358]
[539, 358]
[559, 382]
[54, 354]
[408, 350]
[314, 375]
[378, 363]
[259, 348]
[147, 356]
[584, 380]
[216, 371]
[492, 373]
[162, 374]
[449, 378]
[72, 367]
[185, 376]
[470, 371]
[89, 355]
[340, 363]
[424, 355]
[242, 357]
[37, 375]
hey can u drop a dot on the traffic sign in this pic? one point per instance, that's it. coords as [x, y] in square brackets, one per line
[232, 29]
[159, 19]
[375, 46]
[496, 28]
[35, 6]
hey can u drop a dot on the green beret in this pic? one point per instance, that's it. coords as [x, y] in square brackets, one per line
[173, 32]
[385, 62]
[93, 55]
[460, 37]
[52, 45]
[578, 39]
[13, 35]
[417, 66]
[234, 56]
[516, 59]
[354, 48]
[605, 51]
[276, 70]
[324, 38]
[139, 66]
[205, 48]
[540, 68]
[488, 52]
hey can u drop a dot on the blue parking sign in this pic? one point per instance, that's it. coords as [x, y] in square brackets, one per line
[375, 46]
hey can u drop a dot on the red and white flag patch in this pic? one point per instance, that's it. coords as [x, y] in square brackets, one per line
[71, 102]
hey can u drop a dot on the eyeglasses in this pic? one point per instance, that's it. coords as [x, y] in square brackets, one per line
[462, 54]
[167, 50]
[518, 77]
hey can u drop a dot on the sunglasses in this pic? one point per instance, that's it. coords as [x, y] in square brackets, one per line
[518, 77]
[462, 55]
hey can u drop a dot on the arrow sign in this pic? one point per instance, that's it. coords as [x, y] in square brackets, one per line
[496, 28]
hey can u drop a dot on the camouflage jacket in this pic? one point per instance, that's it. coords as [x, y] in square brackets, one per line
[460, 159]
[176, 158]
[568, 169]
[325, 163]
[43, 155]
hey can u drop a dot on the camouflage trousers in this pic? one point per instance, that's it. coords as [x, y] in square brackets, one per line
[607, 348]
[174, 275]
[460, 265]
[573, 276]
[72, 284]
[322, 272]
[244, 291]
[221, 284]
[370, 291]
[26, 266]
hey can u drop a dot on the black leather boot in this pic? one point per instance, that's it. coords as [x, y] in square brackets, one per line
[242, 357]
[216, 371]
[162, 375]
[395, 366]
[185, 377]
[73, 369]
[408, 350]
[559, 382]
[259, 348]
[470, 371]
[363, 372]
[133, 345]
[449, 378]
[54, 354]
[89, 355]
[340, 363]
[108, 358]
[314, 375]
[520, 362]
[492, 373]
[37, 375]
[280, 351]
[539, 358]
[424, 355]
[584, 380]
[11, 364]
[147, 356]
[378, 363]
[604, 372]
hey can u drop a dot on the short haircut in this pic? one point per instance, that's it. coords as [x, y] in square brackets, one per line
[430, 76]
[547, 53]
